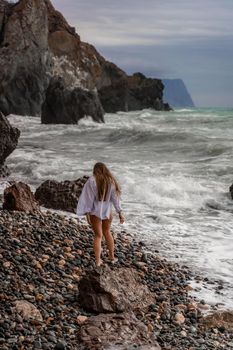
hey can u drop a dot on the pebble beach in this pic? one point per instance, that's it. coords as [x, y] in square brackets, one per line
[44, 256]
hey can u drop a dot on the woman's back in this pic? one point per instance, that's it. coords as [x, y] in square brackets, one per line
[89, 202]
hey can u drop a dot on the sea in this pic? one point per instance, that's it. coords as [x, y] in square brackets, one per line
[175, 169]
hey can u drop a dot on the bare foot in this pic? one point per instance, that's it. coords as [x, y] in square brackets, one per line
[113, 261]
[99, 263]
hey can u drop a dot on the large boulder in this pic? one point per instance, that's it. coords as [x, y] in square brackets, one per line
[24, 57]
[118, 332]
[65, 105]
[105, 291]
[20, 198]
[60, 195]
[129, 93]
[8, 142]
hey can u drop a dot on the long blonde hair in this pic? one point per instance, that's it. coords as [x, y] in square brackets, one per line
[104, 179]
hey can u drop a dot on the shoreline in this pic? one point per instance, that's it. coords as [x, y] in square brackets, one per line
[47, 253]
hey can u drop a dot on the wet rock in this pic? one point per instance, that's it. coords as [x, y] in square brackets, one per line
[20, 198]
[116, 331]
[8, 142]
[106, 290]
[60, 195]
[64, 105]
[27, 310]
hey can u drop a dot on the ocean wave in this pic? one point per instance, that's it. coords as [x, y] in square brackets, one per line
[139, 136]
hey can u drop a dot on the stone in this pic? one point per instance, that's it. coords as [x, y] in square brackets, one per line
[114, 331]
[8, 142]
[219, 319]
[64, 105]
[81, 319]
[106, 290]
[60, 346]
[60, 195]
[20, 198]
[179, 318]
[27, 310]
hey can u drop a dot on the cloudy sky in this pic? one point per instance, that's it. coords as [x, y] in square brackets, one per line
[187, 39]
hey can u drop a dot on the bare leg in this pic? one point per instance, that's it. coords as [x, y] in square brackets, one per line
[106, 226]
[96, 224]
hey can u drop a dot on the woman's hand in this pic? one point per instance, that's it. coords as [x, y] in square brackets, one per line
[121, 217]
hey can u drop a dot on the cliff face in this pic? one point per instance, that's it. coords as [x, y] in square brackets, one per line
[176, 93]
[37, 44]
[24, 56]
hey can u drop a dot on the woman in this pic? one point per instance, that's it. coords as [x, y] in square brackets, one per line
[99, 193]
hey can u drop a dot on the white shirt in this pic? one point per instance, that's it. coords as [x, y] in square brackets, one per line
[88, 202]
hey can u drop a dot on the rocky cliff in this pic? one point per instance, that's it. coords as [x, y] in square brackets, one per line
[37, 45]
[25, 62]
[176, 93]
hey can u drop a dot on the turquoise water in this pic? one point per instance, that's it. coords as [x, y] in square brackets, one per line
[175, 169]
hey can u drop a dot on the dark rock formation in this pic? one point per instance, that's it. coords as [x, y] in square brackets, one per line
[176, 93]
[25, 64]
[105, 290]
[67, 106]
[231, 191]
[20, 198]
[4, 171]
[116, 331]
[36, 44]
[60, 195]
[135, 92]
[8, 141]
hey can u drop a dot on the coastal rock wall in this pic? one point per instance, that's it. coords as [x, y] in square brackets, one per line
[129, 93]
[37, 44]
[24, 57]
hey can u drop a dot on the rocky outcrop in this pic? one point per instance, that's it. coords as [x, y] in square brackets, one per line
[67, 106]
[20, 198]
[8, 142]
[135, 92]
[106, 291]
[60, 195]
[24, 57]
[37, 44]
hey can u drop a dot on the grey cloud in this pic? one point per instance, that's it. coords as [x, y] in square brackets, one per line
[184, 39]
